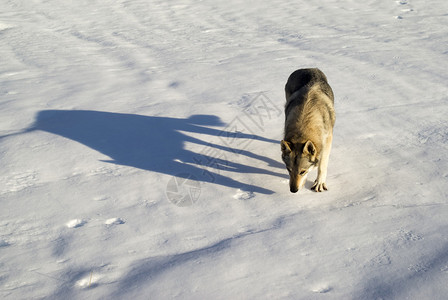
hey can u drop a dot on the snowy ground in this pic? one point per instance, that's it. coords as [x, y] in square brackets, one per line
[140, 156]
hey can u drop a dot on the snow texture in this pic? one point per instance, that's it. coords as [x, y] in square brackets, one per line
[140, 154]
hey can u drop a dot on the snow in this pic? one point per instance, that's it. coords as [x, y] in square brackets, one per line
[140, 155]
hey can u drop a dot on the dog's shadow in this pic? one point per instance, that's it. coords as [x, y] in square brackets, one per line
[156, 143]
[308, 184]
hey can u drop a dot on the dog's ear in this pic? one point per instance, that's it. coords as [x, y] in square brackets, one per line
[286, 147]
[309, 149]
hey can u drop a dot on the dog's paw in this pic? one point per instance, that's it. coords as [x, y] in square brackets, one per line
[319, 186]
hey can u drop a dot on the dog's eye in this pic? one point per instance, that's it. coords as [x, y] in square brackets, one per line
[302, 172]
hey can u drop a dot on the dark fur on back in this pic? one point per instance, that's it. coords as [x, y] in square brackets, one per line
[301, 81]
[307, 77]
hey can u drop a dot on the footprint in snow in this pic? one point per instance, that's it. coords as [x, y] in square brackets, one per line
[75, 223]
[407, 8]
[243, 195]
[20, 181]
[90, 281]
[322, 288]
[114, 221]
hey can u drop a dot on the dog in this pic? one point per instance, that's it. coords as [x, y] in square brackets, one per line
[309, 122]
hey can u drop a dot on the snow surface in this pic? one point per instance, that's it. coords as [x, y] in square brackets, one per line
[140, 154]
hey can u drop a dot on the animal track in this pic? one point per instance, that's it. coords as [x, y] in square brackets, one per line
[382, 259]
[114, 221]
[419, 268]
[321, 288]
[407, 9]
[433, 134]
[90, 281]
[409, 236]
[106, 171]
[19, 181]
[75, 223]
[101, 198]
[100, 275]
[243, 195]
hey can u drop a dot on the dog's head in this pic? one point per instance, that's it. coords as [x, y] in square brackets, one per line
[299, 160]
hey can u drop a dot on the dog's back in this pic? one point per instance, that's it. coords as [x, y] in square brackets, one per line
[308, 85]
[307, 78]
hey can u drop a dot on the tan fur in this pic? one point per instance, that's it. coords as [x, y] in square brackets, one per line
[309, 122]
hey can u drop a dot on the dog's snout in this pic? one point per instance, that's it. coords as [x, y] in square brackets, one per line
[294, 186]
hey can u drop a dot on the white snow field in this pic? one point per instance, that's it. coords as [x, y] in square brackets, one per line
[140, 150]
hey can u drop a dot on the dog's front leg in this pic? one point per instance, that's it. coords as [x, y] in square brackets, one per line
[320, 185]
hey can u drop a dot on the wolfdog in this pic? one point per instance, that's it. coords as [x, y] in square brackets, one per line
[309, 122]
